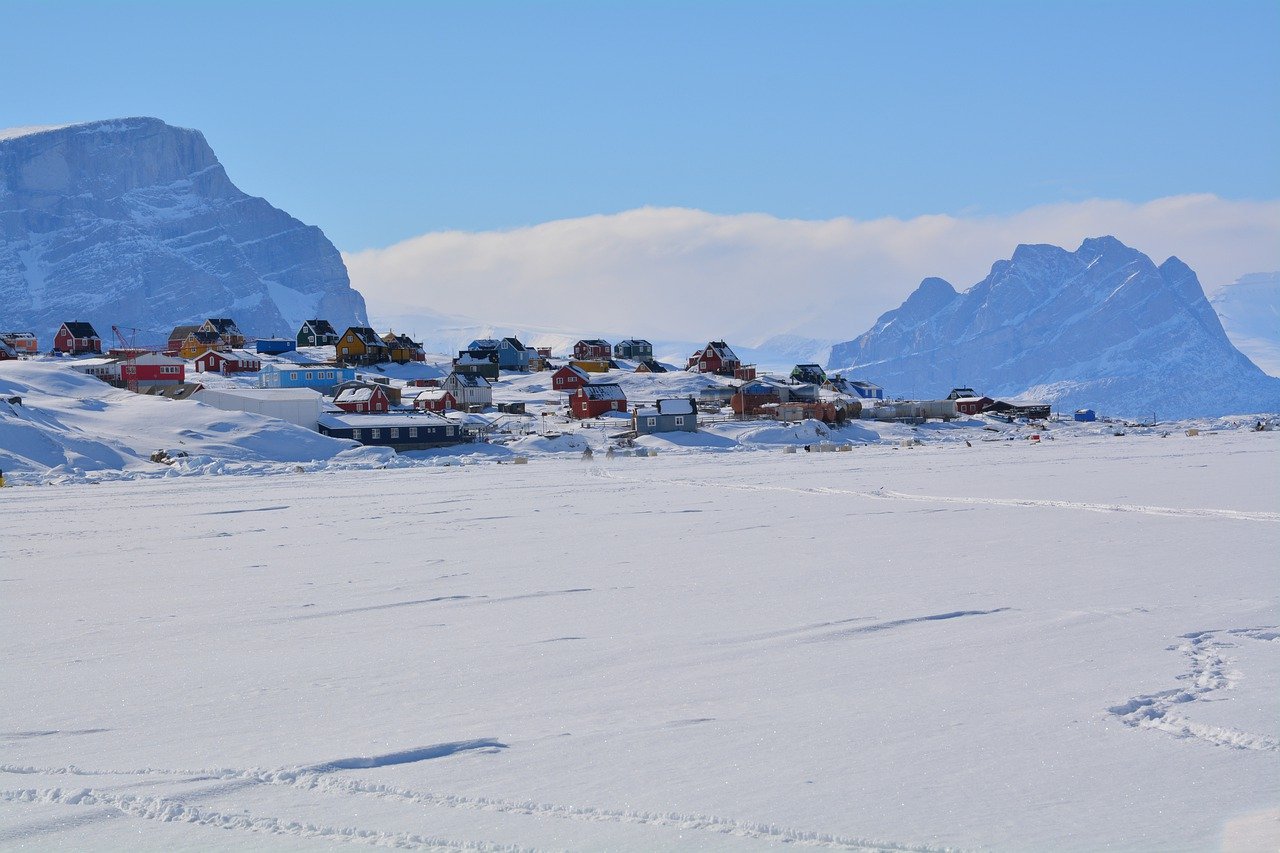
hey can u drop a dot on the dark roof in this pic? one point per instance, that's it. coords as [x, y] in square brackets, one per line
[515, 343]
[79, 329]
[180, 333]
[603, 391]
[594, 342]
[653, 366]
[632, 342]
[472, 380]
[223, 324]
[366, 336]
[205, 337]
[320, 327]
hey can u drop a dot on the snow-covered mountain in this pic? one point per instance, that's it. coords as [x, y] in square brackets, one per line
[1249, 309]
[1102, 326]
[134, 222]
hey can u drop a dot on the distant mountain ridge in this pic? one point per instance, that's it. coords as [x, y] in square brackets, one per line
[1249, 309]
[1103, 327]
[134, 222]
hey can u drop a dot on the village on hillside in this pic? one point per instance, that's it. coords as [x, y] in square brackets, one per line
[386, 391]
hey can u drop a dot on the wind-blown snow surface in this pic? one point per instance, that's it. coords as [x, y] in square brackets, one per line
[1066, 646]
[134, 222]
[1101, 327]
[1250, 312]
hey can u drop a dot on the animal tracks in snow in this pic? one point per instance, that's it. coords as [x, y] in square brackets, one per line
[1210, 673]
[327, 779]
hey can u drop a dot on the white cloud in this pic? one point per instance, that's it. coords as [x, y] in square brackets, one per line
[680, 273]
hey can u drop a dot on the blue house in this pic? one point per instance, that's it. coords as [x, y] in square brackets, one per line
[855, 387]
[320, 377]
[1086, 415]
[275, 346]
[512, 355]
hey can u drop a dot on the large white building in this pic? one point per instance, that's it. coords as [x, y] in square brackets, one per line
[299, 406]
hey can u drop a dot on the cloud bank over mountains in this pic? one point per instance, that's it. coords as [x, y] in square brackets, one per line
[682, 273]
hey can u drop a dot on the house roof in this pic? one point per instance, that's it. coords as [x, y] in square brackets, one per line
[722, 350]
[180, 333]
[484, 343]
[514, 343]
[603, 391]
[79, 329]
[653, 366]
[575, 370]
[433, 394]
[366, 336]
[634, 342]
[319, 327]
[295, 366]
[390, 419]
[17, 336]
[468, 380]
[676, 406]
[593, 342]
[362, 394]
[266, 393]
[7, 350]
[223, 325]
[816, 367]
[204, 337]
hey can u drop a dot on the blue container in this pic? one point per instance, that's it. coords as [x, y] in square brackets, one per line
[1085, 415]
[275, 346]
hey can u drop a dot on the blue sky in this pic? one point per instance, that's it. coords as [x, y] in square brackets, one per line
[379, 122]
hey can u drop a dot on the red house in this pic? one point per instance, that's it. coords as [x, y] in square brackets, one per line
[435, 400]
[569, 378]
[715, 357]
[592, 350]
[153, 369]
[362, 398]
[6, 351]
[235, 361]
[75, 338]
[592, 401]
[972, 405]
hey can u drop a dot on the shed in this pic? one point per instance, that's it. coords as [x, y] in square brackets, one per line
[274, 346]
[592, 401]
[1086, 415]
[299, 406]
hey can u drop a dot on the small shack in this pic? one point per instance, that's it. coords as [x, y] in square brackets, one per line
[674, 415]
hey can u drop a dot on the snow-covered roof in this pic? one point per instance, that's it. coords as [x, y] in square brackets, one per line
[359, 421]
[267, 393]
[468, 380]
[356, 395]
[971, 399]
[676, 406]
[433, 394]
[576, 371]
[603, 391]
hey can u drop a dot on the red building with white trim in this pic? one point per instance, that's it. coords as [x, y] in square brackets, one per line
[362, 398]
[592, 401]
[76, 337]
[235, 361]
[592, 350]
[153, 369]
[569, 378]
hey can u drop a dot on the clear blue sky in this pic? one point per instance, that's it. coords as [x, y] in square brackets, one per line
[379, 121]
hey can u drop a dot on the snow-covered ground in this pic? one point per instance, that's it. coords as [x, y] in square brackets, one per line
[1063, 645]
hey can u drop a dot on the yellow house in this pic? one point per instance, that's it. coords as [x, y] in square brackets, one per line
[361, 345]
[199, 342]
[592, 366]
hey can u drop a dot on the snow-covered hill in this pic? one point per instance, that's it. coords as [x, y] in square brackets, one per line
[1249, 309]
[1102, 326]
[134, 222]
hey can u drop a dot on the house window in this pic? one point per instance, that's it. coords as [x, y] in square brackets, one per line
[413, 432]
[395, 432]
[355, 433]
[653, 422]
[375, 433]
[345, 351]
[448, 430]
[307, 375]
[679, 420]
[293, 375]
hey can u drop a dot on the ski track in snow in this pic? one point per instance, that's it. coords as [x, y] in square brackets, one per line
[886, 494]
[1210, 672]
[326, 778]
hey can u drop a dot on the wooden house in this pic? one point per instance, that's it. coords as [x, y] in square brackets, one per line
[811, 373]
[469, 390]
[651, 366]
[592, 350]
[591, 365]
[153, 369]
[22, 342]
[403, 349]
[317, 333]
[231, 361]
[715, 357]
[407, 431]
[198, 342]
[675, 415]
[633, 349]
[77, 337]
[478, 363]
[592, 401]
[362, 398]
[435, 400]
[225, 328]
[177, 338]
[957, 393]
[395, 393]
[512, 355]
[569, 378]
[318, 377]
[971, 405]
[361, 345]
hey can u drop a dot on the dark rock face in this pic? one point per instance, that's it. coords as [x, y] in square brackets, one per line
[135, 223]
[1102, 326]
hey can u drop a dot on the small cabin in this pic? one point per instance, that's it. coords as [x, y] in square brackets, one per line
[1086, 415]
[233, 361]
[592, 350]
[435, 400]
[633, 349]
[675, 415]
[21, 342]
[317, 333]
[366, 398]
[569, 378]
[716, 357]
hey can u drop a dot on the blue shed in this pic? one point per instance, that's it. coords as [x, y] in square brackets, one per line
[275, 346]
[1085, 415]
[320, 377]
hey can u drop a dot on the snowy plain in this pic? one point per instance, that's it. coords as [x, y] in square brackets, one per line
[1069, 645]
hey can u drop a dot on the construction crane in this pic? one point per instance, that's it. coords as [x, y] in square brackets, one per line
[129, 370]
